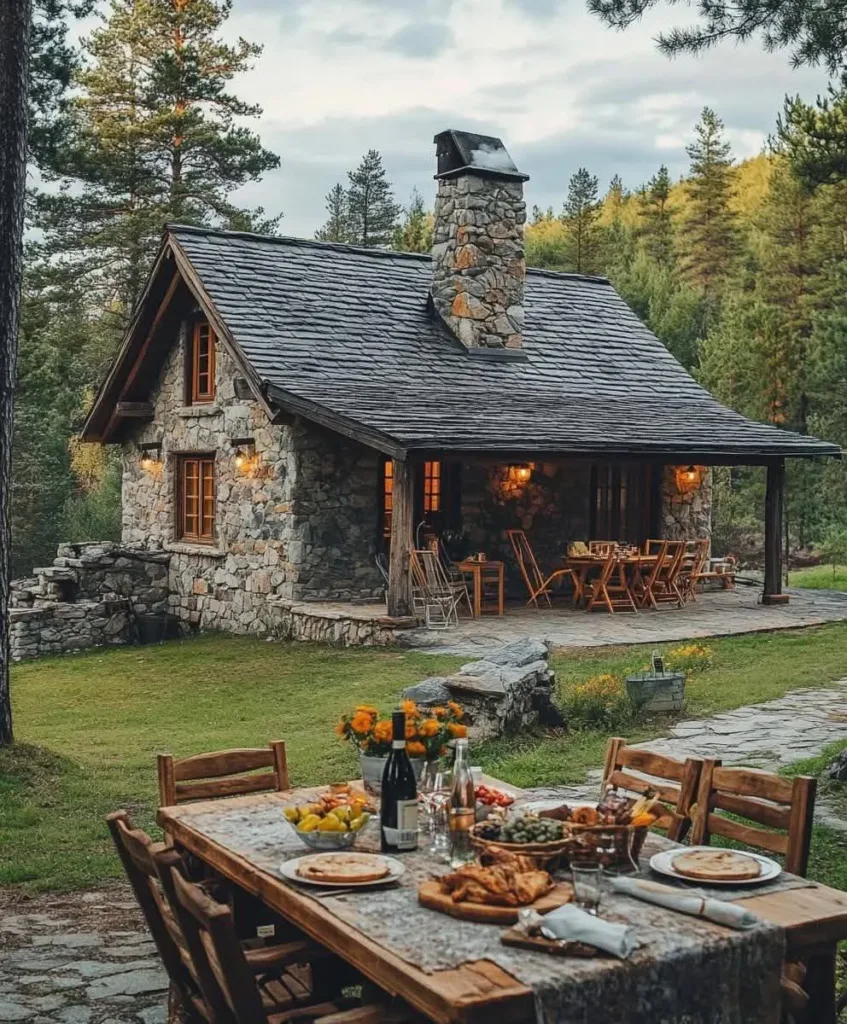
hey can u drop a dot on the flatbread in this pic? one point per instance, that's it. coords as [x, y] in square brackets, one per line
[343, 868]
[725, 865]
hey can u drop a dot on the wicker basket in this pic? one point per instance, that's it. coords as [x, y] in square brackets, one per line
[546, 855]
[613, 846]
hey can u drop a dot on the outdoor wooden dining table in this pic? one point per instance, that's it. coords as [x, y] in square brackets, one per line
[814, 919]
[482, 571]
[631, 568]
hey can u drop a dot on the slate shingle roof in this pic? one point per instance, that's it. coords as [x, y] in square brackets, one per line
[348, 334]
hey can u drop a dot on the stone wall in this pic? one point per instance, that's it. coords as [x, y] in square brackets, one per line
[336, 624]
[552, 507]
[478, 259]
[688, 515]
[93, 594]
[299, 521]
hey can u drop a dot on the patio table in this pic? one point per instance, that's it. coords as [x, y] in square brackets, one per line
[245, 838]
[583, 565]
[482, 572]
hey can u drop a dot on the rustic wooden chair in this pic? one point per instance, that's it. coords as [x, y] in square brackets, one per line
[224, 976]
[439, 597]
[222, 773]
[601, 548]
[452, 574]
[694, 562]
[785, 807]
[136, 851]
[655, 568]
[665, 588]
[720, 569]
[674, 782]
[652, 546]
[606, 592]
[536, 583]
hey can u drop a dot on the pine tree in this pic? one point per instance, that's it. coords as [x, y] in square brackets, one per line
[153, 136]
[415, 232]
[656, 228]
[580, 213]
[370, 201]
[337, 225]
[709, 235]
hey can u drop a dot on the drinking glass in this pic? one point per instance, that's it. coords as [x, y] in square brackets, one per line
[587, 886]
[435, 787]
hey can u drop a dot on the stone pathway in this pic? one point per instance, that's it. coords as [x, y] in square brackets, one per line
[79, 959]
[791, 728]
[716, 613]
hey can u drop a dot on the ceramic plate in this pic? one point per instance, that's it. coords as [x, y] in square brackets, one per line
[663, 864]
[288, 869]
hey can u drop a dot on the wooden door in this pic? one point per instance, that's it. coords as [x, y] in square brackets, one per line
[623, 501]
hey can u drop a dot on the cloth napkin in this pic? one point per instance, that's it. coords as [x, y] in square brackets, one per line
[574, 925]
[686, 902]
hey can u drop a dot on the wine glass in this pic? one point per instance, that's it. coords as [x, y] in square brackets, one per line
[434, 789]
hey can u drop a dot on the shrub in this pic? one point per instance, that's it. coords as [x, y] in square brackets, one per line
[600, 702]
[689, 658]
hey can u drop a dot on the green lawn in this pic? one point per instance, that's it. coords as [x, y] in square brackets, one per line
[89, 726]
[820, 577]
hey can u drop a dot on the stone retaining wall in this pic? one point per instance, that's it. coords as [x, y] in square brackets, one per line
[93, 594]
[342, 625]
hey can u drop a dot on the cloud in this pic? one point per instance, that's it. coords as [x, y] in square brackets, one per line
[420, 39]
[339, 77]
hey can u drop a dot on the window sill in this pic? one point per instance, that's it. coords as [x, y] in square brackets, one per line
[206, 550]
[196, 412]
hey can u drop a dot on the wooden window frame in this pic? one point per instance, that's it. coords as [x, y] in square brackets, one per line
[201, 380]
[433, 481]
[196, 511]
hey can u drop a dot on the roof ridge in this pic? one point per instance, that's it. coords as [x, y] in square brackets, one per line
[311, 243]
[362, 250]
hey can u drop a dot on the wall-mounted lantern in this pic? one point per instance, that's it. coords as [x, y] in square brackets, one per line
[245, 455]
[688, 478]
[151, 456]
[521, 473]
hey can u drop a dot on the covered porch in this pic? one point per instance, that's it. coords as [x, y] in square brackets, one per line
[471, 502]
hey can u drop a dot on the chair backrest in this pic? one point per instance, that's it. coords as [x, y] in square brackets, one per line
[637, 770]
[671, 563]
[651, 547]
[785, 807]
[137, 853]
[701, 556]
[430, 572]
[602, 548]
[222, 971]
[525, 557]
[661, 552]
[222, 773]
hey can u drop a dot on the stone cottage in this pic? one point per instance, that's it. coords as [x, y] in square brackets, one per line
[288, 409]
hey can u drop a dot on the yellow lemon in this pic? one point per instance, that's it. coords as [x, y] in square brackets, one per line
[330, 824]
[293, 814]
[342, 813]
[309, 823]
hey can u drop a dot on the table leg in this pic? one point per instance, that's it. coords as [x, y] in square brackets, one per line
[477, 593]
[820, 984]
[501, 584]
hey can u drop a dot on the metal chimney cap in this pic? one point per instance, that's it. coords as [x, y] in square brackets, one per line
[467, 153]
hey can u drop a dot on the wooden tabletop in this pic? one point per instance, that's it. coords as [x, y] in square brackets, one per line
[813, 918]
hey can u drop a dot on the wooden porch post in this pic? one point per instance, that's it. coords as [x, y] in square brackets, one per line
[774, 500]
[402, 513]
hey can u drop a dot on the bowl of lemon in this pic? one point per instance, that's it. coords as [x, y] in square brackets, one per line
[320, 828]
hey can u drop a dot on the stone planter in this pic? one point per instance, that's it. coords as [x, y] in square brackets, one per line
[651, 692]
[373, 767]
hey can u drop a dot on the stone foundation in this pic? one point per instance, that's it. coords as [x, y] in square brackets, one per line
[508, 691]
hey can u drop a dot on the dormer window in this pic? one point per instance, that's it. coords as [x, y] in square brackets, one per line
[201, 364]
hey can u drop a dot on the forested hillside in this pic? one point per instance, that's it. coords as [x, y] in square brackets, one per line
[740, 268]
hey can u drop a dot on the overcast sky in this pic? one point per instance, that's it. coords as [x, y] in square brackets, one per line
[338, 77]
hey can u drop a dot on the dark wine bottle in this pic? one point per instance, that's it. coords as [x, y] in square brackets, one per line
[398, 813]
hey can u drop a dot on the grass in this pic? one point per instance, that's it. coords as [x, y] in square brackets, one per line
[89, 726]
[820, 577]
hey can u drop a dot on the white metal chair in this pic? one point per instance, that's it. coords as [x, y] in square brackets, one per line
[438, 598]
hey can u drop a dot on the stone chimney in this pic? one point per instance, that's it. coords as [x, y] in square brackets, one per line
[478, 261]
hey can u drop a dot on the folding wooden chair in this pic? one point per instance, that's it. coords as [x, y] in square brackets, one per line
[665, 588]
[230, 987]
[222, 773]
[452, 574]
[694, 561]
[660, 552]
[602, 548]
[785, 807]
[607, 593]
[674, 782]
[535, 582]
[439, 598]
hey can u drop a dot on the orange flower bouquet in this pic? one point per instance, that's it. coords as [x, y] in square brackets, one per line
[367, 731]
[428, 730]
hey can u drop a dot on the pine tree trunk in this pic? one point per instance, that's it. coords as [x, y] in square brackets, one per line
[15, 18]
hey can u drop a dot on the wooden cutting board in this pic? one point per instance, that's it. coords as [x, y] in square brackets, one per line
[512, 937]
[431, 895]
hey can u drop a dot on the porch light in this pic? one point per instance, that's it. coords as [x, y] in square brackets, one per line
[245, 454]
[522, 473]
[688, 478]
[151, 456]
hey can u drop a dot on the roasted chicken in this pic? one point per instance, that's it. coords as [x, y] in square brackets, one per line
[506, 881]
